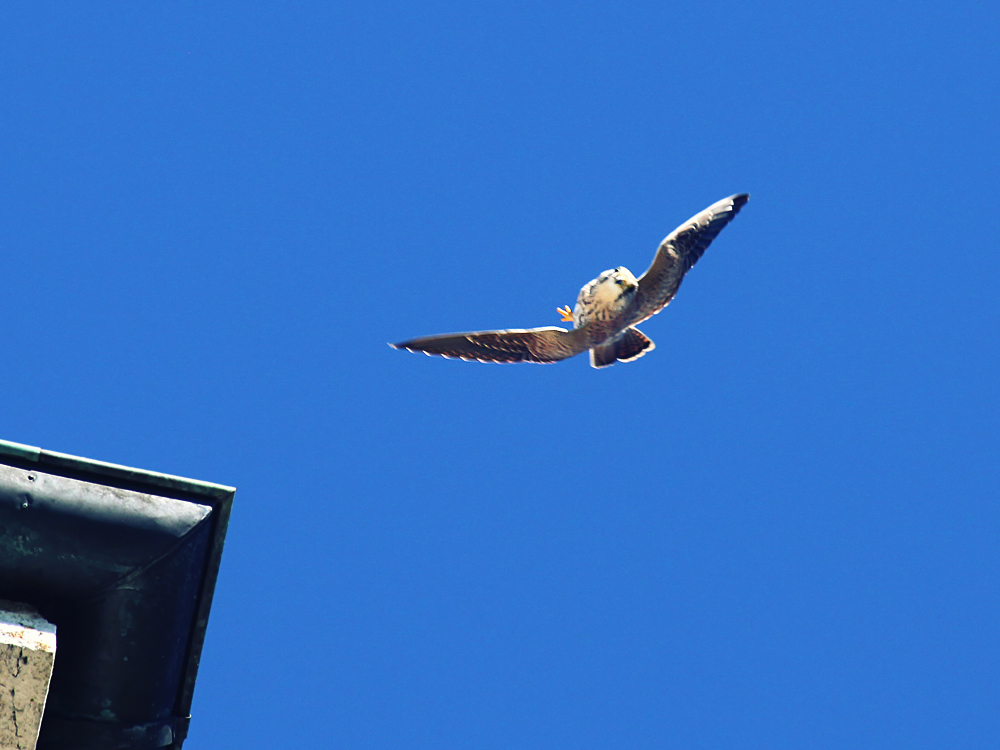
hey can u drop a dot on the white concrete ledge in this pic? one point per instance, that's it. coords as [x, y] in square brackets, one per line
[27, 651]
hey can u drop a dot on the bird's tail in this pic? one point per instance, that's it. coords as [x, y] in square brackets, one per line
[631, 345]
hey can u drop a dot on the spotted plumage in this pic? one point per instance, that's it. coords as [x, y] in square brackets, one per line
[607, 308]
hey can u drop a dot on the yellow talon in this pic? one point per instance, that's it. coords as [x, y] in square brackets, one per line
[565, 313]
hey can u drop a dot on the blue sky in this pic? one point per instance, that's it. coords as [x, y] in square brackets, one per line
[777, 530]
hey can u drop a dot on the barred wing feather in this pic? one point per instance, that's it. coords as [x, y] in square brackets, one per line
[542, 345]
[678, 253]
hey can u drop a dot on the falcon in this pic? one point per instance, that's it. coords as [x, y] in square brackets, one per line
[607, 309]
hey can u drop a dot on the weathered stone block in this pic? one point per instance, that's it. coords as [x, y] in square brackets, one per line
[27, 651]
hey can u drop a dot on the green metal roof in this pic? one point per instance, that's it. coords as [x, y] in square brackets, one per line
[116, 471]
[218, 497]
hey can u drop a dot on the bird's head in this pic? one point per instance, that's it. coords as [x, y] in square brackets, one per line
[620, 277]
[606, 296]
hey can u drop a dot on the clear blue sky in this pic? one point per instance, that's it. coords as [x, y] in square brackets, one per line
[778, 530]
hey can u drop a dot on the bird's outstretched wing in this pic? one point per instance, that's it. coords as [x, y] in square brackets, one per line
[542, 345]
[677, 253]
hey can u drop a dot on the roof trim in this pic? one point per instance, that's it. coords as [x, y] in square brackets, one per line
[140, 476]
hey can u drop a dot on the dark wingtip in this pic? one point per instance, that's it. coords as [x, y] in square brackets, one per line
[739, 200]
[408, 346]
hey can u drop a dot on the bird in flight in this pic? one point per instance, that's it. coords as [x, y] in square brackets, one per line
[607, 309]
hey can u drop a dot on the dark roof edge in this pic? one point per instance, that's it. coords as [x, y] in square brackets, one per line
[126, 473]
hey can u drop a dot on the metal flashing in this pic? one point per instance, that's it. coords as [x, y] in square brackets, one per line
[116, 471]
[104, 550]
